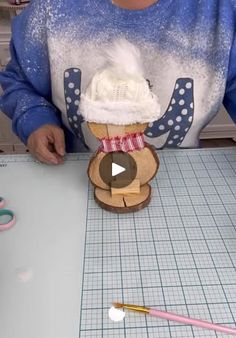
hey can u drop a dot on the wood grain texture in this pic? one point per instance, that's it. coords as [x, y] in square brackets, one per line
[100, 130]
[123, 204]
[93, 171]
[132, 188]
[133, 197]
[147, 163]
[147, 166]
[114, 131]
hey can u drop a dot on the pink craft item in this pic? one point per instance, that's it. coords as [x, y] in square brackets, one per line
[191, 321]
[2, 203]
[8, 225]
[127, 143]
[3, 212]
[177, 318]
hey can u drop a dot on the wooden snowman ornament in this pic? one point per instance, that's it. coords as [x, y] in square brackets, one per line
[118, 105]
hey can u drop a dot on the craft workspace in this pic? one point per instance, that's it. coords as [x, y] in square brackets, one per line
[68, 259]
[117, 169]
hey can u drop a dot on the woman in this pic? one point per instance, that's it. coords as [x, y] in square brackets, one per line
[188, 50]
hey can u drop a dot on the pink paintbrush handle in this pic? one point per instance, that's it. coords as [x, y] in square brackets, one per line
[190, 321]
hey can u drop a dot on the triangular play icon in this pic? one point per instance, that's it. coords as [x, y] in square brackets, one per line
[117, 169]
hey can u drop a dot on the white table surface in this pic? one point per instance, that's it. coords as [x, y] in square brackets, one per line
[41, 256]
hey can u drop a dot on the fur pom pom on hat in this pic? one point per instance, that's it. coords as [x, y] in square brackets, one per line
[119, 94]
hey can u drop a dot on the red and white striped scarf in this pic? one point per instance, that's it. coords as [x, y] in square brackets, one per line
[129, 142]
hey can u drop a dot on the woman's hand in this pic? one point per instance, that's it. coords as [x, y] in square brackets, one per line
[47, 144]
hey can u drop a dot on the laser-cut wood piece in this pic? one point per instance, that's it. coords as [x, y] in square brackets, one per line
[147, 166]
[101, 130]
[137, 194]
[123, 203]
[130, 188]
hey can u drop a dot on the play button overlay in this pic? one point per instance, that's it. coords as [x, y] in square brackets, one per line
[118, 169]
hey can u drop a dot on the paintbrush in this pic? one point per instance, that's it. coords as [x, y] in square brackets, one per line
[177, 318]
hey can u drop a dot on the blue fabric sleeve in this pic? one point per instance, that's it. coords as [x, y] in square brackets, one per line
[26, 80]
[230, 93]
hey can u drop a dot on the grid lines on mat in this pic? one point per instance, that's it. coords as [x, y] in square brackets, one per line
[177, 255]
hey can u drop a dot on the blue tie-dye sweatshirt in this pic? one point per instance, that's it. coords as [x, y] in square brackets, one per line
[188, 49]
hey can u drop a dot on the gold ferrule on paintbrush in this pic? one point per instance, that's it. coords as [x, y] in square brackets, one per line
[131, 307]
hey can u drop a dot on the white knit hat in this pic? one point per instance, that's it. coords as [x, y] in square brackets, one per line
[119, 94]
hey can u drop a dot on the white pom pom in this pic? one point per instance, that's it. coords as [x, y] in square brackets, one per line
[124, 59]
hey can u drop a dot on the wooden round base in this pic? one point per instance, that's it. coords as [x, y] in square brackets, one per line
[123, 203]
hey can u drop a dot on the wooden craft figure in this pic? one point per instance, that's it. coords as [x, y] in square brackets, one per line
[118, 105]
